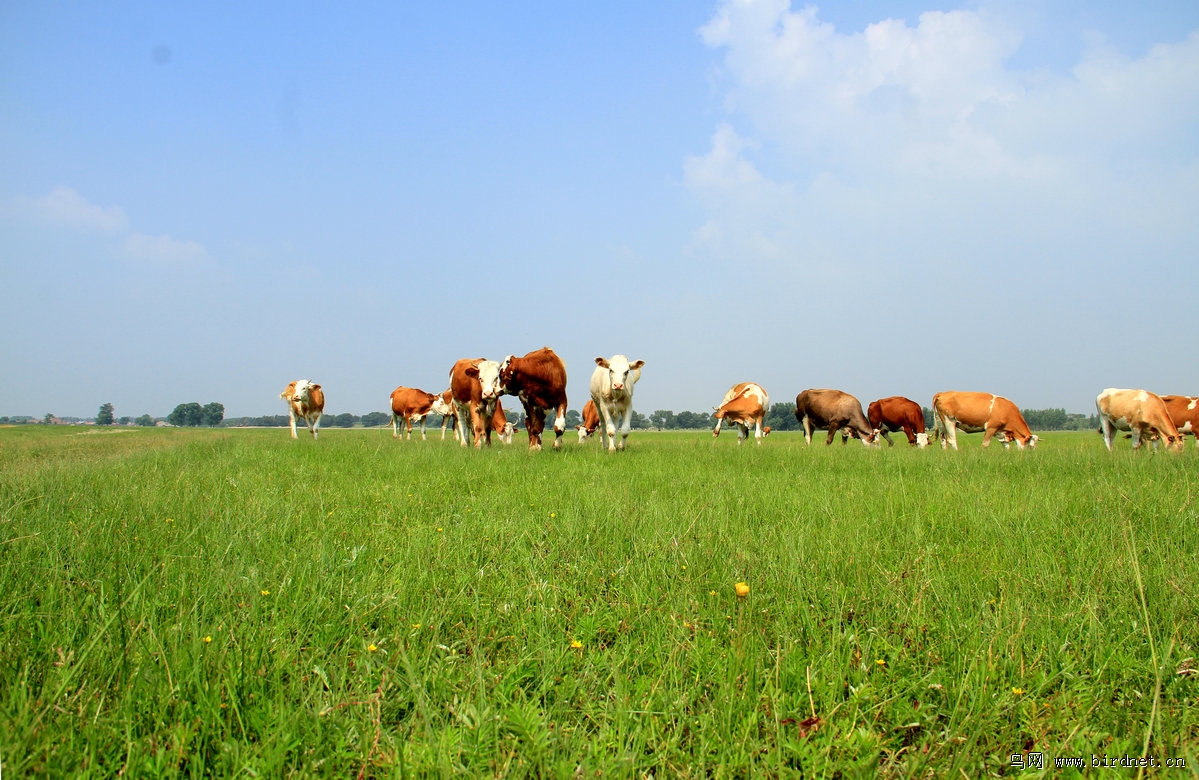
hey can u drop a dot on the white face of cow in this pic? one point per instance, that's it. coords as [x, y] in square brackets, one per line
[302, 391]
[922, 440]
[622, 374]
[489, 378]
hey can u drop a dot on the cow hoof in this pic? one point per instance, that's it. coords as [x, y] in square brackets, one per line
[534, 447]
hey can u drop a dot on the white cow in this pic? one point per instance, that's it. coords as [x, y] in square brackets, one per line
[612, 390]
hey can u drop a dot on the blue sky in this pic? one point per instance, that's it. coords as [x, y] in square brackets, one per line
[204, 203]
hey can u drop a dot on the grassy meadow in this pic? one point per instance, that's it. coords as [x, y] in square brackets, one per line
[233, 603]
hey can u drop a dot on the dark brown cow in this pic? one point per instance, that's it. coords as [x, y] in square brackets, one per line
[832, 410]
[895, 414]
[539, 380]
[1184, 412]
[475, 385]
[410, 405]
[591, 421]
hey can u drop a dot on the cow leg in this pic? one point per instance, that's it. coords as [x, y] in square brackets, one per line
[1136, 438]
[832, 432]
[1108, 430]
[988, 432]
[463, 418]
[423, 437]
[292, 414]
[911, 434]
[559, 425]
[625, 426]
[716, 430]
[607, 429]
[313, 425]
[807, 430]
[535, 424]
[844, 435]
[887, 435]
[742, 433]
[949, 430]
[758, 435]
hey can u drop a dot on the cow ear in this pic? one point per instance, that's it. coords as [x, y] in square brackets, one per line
[315, 387]
[602, 362]
[638, 364]
[472, 371]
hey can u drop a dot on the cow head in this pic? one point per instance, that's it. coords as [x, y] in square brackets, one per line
[922, 440]
[622, 374]
[506, 372]
[765, 431]
[302, 391]
[872, 439]
[488, 374]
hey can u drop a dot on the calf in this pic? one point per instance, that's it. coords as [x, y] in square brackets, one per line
[475, 386]
[744, 405]
[444, 405]
[974, 412]
[410, 405]
[539, 380]
[591, 421]
[612, 391]
[1184, 413]
[1140, 411]
[306, 401]
[819, 409]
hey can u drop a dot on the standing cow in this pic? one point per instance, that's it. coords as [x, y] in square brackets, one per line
[894, 414]
[444, 405]
[539, 380]
[974, 412]
[591, 421]
[612, 390]
[1140, 411]
[820, 409]
[475, 386]
[410, 405]
[1184, 413]
[306, 401]
[744, 404]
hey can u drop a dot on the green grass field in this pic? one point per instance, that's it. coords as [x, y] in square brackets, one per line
[233, 603]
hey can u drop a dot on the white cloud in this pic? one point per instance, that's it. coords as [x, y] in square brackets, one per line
[64, 207]
[163, 251]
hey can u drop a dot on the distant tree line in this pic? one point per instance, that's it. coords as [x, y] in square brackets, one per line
[191, 415]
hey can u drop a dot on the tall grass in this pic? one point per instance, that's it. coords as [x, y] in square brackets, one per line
[233, 602]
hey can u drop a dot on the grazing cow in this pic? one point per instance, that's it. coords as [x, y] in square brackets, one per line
[818, 409]
[1184, 413]
[591, 421]
[744, 404]
[444, 405]
[305, 400]
[895, 414]
[475, 386]
[539, 380]
[1140, 411]
[612, 390]
[410, 405]
[974, 412]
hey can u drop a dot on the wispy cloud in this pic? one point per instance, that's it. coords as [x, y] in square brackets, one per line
[163, 251]
[63, 207]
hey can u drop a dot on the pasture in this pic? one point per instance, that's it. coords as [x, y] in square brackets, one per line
[235, 603]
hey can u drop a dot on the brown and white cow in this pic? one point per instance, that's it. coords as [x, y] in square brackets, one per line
[306, 401]
[444, 405]
[1140, 411]
[475, 386]
[612, 390]
[410, 405]
[974, 412]
[591, 421]
[745, 404]
[820, 409]
[499, 423]
[1184, 413]
[539, 380]
[895, 414]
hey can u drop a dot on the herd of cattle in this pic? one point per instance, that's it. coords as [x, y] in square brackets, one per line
[472, 402]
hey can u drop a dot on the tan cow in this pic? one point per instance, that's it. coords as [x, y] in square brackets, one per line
[306, 401]
[410, 405]
[1184, 413]
[822, 409]
[591, 421]
[1140, 411]
[745, 404]
[974, 412]
[475, 386]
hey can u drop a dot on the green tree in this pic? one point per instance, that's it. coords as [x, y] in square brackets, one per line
[124, 420]
[146, 421]
[104, 416]
[376, 419]
[662, 419]
[48, 419]
[781, 417]
[186, 415]
[212, 414]
[573, 418]
[639, 421]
